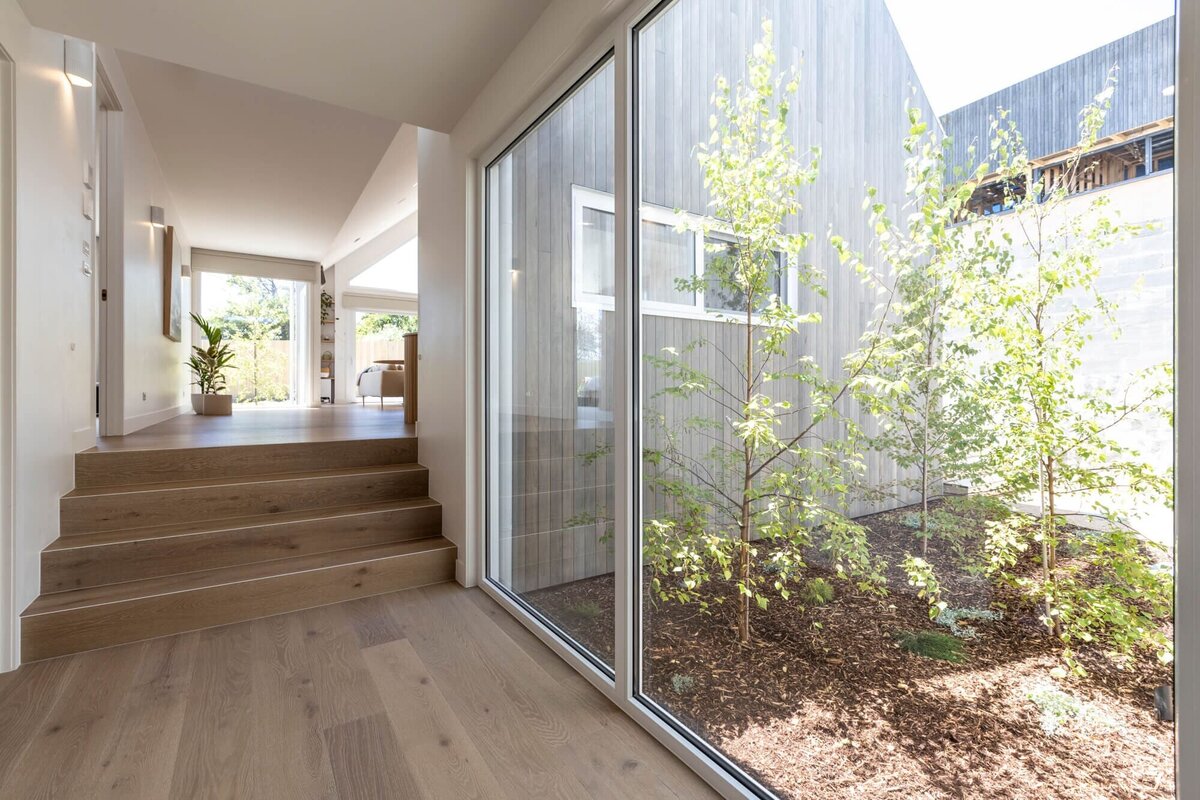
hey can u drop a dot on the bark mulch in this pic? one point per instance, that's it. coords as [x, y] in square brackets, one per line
[824, 703]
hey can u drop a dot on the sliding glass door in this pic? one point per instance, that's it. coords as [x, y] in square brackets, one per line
[839, 396]
[551, 363]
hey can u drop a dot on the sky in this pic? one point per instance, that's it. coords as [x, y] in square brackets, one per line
[396, 271]
[963, 50]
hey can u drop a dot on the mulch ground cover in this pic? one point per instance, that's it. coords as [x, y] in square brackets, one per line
[825, 704]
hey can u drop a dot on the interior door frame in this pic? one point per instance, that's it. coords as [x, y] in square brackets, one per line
[10, 647]
[110, 258]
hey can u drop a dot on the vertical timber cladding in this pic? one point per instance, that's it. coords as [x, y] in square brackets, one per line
[562, 488]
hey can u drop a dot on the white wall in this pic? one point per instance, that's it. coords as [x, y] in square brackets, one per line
[54, 130]
[444, 313]
[450, 341]
[52, 387]
[156, 384]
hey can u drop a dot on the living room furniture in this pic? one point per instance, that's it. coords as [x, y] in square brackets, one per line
[380, 382]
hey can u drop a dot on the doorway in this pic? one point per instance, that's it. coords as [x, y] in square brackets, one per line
[108, 401]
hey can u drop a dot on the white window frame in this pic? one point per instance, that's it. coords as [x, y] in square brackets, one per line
[727, 778]
[583, 197]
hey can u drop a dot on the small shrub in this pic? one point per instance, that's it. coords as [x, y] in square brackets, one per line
[932, 644]
[585, 609]
[953, 618]
[978, 506]
[1058, 709]
[682, 684]
[816, 592]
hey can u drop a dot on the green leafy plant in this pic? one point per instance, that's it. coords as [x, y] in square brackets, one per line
[683, 684]
[1035, 305]
[921, 577]
[953, 619]
[816, 592]
[932, 423]
[1057, 708]
[746, 486]
[932, 644]
[208, 363]
[585, 609]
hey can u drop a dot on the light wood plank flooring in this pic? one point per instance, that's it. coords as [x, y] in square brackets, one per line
[269, 426]
[428, 693]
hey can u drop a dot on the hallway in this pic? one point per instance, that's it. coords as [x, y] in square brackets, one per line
[429, 693]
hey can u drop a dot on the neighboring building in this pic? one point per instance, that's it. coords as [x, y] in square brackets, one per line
[1132, 164]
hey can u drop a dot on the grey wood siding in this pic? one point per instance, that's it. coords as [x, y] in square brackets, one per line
[1046, 106]
[855, 81]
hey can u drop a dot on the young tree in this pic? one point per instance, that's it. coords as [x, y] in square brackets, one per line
[257, 315]
[1036, 306]
[932, 422]
[750, 470]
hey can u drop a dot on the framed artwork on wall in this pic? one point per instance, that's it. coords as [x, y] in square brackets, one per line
[172, 296]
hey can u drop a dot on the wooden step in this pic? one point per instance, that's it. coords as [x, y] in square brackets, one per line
[126, 467]
[96, 559]
[149, 504]
[90, 618]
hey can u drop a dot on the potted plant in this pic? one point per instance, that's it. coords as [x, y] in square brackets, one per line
[209, 364]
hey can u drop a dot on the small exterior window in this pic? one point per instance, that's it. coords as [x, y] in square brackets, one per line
[669, 255]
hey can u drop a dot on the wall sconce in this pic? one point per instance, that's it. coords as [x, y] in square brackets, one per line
[78, 63]
[157, 219]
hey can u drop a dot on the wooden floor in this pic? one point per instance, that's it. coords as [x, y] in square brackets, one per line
[429, 693]
[269, 426]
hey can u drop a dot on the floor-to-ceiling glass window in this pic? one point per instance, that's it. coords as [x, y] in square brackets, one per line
[550, 278]
[263, 319]
[904, 351]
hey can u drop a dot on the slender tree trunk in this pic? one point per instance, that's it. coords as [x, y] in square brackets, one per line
[1050, 541]
[925, 509]
[747, 469]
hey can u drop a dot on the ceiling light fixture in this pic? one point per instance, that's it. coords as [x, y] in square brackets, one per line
[78, 63]
[1169, 91]
[157, 218]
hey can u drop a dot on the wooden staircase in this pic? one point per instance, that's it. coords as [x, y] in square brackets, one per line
[155, 542]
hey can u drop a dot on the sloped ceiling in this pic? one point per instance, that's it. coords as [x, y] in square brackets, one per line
[415, 61]
[252, 169]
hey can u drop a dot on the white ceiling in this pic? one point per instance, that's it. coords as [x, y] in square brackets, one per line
[251, 169]
[415, 61]
[389, 196]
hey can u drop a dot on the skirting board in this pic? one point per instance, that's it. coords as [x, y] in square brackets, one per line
[154, 417]
[83, 439]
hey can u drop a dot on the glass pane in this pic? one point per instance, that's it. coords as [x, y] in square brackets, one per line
[668, 257]
[596, 271]
[913, 537]
[722, 291]
[550, 370]
[256, 315]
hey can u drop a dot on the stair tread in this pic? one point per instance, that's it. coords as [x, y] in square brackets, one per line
[140, 488]
[172, 584]
[74, 541]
